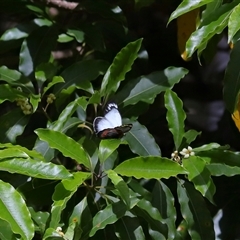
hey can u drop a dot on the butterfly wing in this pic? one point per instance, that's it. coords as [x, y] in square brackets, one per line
[112, 115]
[101, 123]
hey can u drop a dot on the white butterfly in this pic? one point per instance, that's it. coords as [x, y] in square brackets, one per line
[110, 126]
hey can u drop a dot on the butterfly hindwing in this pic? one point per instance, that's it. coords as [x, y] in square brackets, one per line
[110, 126]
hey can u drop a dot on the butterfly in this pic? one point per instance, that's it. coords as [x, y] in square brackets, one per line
[110, 126]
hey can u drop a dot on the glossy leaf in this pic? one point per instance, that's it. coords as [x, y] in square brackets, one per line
[200, 176]
[149, 167]
[189, 137]
[15, 78]
[55, 80]
[107, 147]
[151, 214]
[108, 215]
[206, 147]
[129, 228]
[23, 30]
[34, 168]
[199, 39]
[146, 88]
[122, 64]
[37, 49]
[68, 112]
[233, 24]
[31, 153]
[7, 93]
[141, 141]
[12, 125]
[232, 79]
[5, 230]
[187, 6]
[15, 212]
[175, 116]
[66, 145]
[80, 74]
[82, 215]
[63, 192]
[163, 200]
[121, 186]
[195, 212]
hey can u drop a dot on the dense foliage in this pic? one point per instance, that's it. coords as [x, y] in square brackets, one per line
[58, 180]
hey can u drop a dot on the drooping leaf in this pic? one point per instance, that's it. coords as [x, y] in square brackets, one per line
[175, 116]
[233, 24]
[200, 176]
[187, 6]
[66, 145]
[36, 48]
[108, 215]
[206, 147]
[163, 200]
[141, 141]
[121, 186]
[63, 192]
[129, 228]
[107, 147]
[12, 125]
[146, 88]
[232, 79]
[80, 74]
[15, 78]
[34, 168]
[122, 64]
[149, 167]
[15, 212]
[195, 212]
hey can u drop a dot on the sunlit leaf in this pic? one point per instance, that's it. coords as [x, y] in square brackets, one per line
[149, 167]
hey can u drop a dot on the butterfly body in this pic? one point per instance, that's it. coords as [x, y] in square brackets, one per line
[110, 126]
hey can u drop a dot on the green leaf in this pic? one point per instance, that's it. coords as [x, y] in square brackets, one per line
[189, 137]
[5, 230]
[151, 214]
[66, 145]
[82, 215]
[232, 79]
[7, 93]
[163, 200]
[108, 215]
[199, 39]
[200, 176]
[63, 192]
[122, 64]
[40, 219]
[24, 29]
[141, 141]
[37, 49]
[187, 6]
[15, 78]
[12, 125]
[129, 228]
[146, 88]
[195, 212]
[81, 73]
[120, 185]
[77, 34]
[34, 168]
[233, 23]
[55, 80]
[206, 147]
[221, 162]
[175, 116]
[15, 212]
[107, 147]
[149, 167]
[31, 153]
[68, 111]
